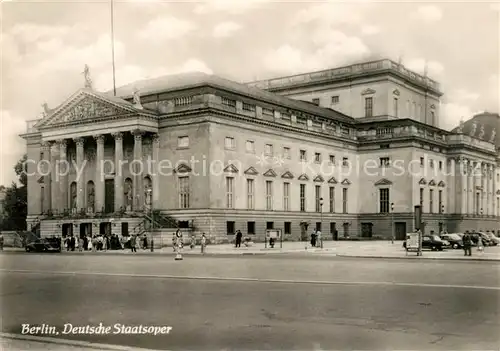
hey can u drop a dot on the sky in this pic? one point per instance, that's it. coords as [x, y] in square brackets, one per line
[45, 45]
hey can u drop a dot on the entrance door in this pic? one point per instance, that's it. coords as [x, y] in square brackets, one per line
[109, 197]
[124, 228]
[400, 230]
[346, 230]
[67, 229]
[366, 230]
[333, 229]
[85, 230]
[440, 227]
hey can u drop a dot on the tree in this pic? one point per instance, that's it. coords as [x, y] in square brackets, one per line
[16, 197]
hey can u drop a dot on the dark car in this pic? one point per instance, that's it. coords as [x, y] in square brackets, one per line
[44, 245]
[454, 239]
[484, 238]
[432, 242]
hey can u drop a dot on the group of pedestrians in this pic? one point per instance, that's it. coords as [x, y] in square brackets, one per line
[467, 243]
[178, 242]
[316, 239]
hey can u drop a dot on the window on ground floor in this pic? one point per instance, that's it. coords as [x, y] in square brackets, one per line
[250, 228]
[269, 225]
[230, 227]
[288, 227]
[318, 226]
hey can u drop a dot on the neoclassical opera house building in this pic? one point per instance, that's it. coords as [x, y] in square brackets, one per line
[211, 155]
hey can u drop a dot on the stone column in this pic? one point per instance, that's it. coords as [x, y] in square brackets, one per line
[463, 190]
[491, 190]
[155, 176]
[54, 178]
[47, 179]
[118, 171]
[63, 175]
[99, 174]
[470, 188]
[138, 171]
[80, 181]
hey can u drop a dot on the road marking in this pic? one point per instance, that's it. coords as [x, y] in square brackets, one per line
[260, 280]
[86, 344]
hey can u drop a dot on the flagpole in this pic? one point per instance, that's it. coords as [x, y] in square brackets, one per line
[113, 48]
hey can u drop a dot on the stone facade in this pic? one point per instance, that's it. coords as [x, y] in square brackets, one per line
[223, 157]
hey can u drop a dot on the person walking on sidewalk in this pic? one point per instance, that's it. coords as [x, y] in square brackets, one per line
[467, 244]
[203, 243]
[238, 238]
[133, 243]
[480, 245]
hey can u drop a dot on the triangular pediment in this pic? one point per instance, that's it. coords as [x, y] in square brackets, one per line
[183, 169]
[332, 180]
[396, 92]
[287, 175]
[303, 177]
[422, 182]
[230, 168]
[40, 180]
[383, 181]
[270, 173]
[251, 171]
[441, 184]
[346, 182]
[368, 91]
[432, 183]
[318, 178]
[86, 105]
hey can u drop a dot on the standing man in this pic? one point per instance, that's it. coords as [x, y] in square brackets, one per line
[238, 238]
[203, 243]
[467, 244]
[319, 238]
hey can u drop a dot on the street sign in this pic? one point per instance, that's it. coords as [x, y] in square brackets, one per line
[273, 233]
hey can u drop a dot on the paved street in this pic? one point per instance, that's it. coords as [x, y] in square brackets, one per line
[258, 302]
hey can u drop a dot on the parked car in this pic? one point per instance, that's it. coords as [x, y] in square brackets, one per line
[43, 245]
[493, 239]
[432, 242]
[485, 238]
[454, 239]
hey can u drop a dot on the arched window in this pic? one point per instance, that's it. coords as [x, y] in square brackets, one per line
[90, 196]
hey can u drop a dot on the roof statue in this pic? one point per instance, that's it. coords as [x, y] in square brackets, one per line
[473, 130]
[493, 135]
[86, 74]
[481, 132]
[137, 99]
[46, 109]
[460, 128]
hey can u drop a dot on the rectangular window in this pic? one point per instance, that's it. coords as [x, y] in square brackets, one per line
[384, 200]
[250, 146]
[317, 157]
[288, 228]
[269, 225]
[385, 161]
[369, 107]
[395, 106]
[184, 192]
[332, 199]
[303, 155]
[421, 161]
[344, 200]
[250, 194]
[440, 165]
[345, 161]
[440, 201]
[332, 160]
[251, 228]
[286, 196]
[433, 117]
[286, 153]
[268, 149]
[229, 192]
[302, 197]
[41, 156]
[318, 197]
[269, 195]
[335, 99]
[230, 227]
[422, 199]
[431, 200]
[315, 101]
[183, 142]
[42, 199]
[228, 102]
[229, 143]
[248, 107]
[431, 163]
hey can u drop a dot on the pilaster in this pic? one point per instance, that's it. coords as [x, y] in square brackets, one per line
[99, 176]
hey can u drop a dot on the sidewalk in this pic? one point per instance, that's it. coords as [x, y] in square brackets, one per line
[360, 249]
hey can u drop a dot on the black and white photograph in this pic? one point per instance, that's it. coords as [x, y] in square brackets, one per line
[249, 175]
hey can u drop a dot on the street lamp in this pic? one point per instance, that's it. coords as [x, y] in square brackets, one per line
[151, 227]
[321, 220]
[392, 222]
[442, 219]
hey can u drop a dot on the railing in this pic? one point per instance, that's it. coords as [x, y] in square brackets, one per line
[465, 139]
[345, 71]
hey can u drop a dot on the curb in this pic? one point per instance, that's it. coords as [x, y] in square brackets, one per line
[67, 342]
[423, 258]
